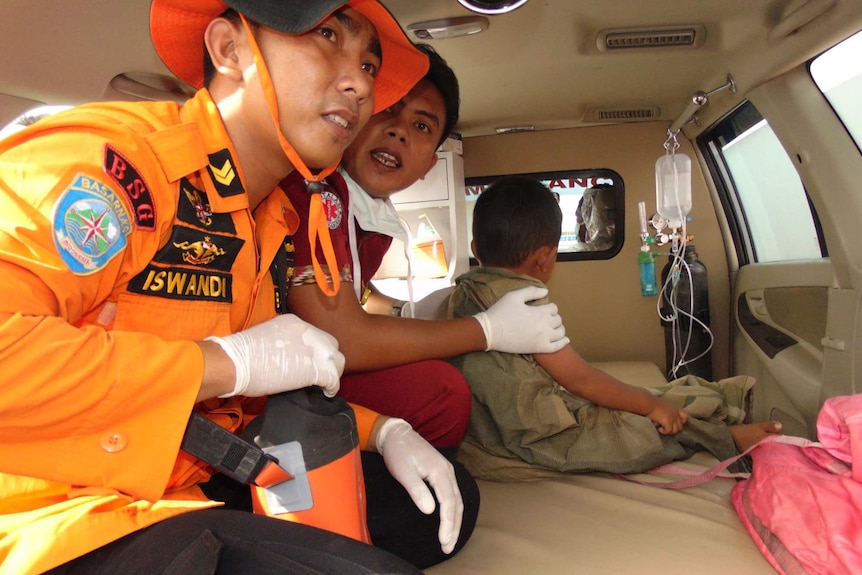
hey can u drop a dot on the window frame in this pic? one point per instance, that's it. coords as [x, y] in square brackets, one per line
[589, 174]
[854, 134]
[731, 203]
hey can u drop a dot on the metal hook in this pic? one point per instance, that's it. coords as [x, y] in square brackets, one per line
[671, 145]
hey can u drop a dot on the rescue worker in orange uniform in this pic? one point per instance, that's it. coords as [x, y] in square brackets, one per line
[135, 250]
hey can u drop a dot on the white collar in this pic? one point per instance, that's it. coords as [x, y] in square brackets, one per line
[373, 214]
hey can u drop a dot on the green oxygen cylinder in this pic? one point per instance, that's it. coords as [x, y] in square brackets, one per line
[691, 297]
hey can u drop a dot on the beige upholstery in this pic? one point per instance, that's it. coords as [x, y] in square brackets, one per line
[593, 524]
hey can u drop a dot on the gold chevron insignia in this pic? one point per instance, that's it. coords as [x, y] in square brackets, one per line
[225, 174]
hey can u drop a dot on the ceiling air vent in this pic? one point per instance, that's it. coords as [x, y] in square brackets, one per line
[665, 37]
[608, 115]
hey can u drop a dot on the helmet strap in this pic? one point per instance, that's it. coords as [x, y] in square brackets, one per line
[318, 227]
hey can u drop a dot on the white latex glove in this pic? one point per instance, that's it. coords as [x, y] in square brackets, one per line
[283, 354]
[512, 326]
[413, 461]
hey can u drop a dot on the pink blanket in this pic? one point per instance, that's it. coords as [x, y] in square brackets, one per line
[803, 505]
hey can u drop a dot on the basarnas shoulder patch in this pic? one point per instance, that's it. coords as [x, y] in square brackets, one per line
[90, 225]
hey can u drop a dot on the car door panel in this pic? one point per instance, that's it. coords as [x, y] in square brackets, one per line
[779, 324]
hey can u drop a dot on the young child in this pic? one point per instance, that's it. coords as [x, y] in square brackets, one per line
[553, 410]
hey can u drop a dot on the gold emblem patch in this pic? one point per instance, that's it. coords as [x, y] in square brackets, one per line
[200, 252]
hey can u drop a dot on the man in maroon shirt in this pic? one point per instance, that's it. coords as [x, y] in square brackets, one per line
[396, 149]
[394, 365]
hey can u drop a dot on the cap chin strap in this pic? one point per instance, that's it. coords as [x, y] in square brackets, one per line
[318, 227]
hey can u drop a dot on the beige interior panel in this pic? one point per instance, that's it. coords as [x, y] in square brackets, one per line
[605, 314]
[800, 311]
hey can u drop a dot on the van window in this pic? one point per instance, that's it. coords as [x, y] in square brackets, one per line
[592, 202]
[771, 217]
[838, 74]
[28, 118]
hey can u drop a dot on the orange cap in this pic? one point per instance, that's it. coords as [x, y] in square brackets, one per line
[177, 30]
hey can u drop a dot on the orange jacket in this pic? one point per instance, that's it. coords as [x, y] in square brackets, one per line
[125, 236]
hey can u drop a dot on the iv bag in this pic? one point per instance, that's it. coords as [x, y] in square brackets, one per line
[673, 188]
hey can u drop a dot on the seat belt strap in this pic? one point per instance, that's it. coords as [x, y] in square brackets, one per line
[231, 454]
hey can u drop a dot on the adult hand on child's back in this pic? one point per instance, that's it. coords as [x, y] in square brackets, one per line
[513, 326]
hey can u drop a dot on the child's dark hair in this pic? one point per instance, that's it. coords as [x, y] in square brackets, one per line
[512, 218]
[444, 79]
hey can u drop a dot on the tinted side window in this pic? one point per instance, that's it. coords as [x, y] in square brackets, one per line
[838, 74]
[592, 202]
[770, 214]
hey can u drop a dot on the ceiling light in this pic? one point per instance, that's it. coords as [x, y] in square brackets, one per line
[448, 27]
[492, 6]
[515, 129]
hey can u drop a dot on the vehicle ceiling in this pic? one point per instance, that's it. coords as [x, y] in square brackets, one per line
[538, 65]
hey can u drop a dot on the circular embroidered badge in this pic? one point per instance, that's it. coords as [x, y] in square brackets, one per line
[90, 225]
[333, 208]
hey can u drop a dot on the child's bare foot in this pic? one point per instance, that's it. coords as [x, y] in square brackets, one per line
[747, 435]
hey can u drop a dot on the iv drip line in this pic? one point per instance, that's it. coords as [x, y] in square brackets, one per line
[673, 198]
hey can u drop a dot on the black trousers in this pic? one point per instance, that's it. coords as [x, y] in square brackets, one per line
[231, 540]
[397, 525]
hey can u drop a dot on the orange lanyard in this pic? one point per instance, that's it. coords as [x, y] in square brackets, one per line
[316, 222]
[318, 228]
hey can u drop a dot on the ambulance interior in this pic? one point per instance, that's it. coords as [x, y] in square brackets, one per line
[762, 97]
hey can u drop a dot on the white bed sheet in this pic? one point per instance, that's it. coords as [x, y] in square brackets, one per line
[596, 524]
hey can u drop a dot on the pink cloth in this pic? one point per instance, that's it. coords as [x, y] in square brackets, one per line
[803, 505]
[839, 428]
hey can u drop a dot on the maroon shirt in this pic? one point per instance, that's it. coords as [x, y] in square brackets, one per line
[336, 199]
[438, 402]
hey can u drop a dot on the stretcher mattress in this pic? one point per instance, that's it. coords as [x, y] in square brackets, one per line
[597, 524]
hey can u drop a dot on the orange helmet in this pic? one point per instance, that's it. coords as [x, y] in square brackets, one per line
[177, 30]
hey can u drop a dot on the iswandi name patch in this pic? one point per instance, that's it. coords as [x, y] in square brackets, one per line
[183, 283]
[90, 225]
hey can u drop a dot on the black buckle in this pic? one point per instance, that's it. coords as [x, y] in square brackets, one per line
[229, 453]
